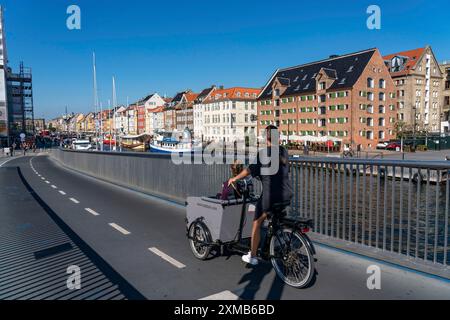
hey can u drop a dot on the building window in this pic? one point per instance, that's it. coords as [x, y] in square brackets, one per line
[381, 109]
[370, 83]
[381, 122]
[382, 84]
[323, 85]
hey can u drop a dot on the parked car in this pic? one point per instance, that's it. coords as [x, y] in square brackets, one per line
[81, 145]
[382, 145]
[393, 146]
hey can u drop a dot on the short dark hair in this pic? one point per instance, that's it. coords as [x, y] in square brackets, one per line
[269, 131]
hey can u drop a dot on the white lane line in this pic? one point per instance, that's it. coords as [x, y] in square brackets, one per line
[47, 182]
[74, 200]
[5, 162]
[92, 211]
[54, 187]
[62, 192]
[168, 258]
[224, 295]
[120, 229]
[42, 178]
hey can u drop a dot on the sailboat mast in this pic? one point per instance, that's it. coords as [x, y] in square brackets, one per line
[114, 110]
[95, 99]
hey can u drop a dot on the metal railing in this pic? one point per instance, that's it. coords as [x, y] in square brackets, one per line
[395, 206]
[390, 206]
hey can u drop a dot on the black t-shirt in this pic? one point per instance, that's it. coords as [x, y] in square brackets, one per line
[275, 187]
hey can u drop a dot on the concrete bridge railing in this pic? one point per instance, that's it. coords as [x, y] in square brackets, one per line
[392, 210]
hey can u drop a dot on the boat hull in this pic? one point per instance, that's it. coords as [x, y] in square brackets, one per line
[157, 149]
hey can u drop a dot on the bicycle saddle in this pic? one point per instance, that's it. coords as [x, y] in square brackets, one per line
[280, 207]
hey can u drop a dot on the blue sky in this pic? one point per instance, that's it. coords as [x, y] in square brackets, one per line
[168, 46]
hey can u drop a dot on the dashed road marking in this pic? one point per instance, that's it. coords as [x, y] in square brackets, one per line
[168, 258]
[74, 200]
[120, 229]
[62, 192]
[92, 211]
[224, 295]
[54, 187]
[47, 182]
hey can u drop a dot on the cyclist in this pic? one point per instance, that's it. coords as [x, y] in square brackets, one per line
[276, 188]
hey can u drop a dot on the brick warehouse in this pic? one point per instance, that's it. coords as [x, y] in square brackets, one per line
[349, 97]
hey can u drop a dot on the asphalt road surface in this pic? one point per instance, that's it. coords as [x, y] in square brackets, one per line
[143, 240]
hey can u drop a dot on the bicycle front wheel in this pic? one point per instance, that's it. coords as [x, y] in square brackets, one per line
[291, 257]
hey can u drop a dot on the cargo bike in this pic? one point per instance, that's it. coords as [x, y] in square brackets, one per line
[226, 225]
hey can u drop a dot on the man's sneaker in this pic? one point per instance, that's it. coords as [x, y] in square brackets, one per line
[250, 260]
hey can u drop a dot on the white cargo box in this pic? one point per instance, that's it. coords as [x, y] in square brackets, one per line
[222, 217]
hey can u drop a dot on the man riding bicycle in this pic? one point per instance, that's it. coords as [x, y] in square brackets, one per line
[276, 186]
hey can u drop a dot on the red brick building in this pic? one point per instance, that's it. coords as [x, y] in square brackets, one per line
[141, 119]
[349, 97]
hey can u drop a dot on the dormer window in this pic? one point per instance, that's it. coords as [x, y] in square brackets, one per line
[277, 92]
[323, 85]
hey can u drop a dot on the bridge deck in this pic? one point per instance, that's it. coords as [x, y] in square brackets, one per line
[121, 226]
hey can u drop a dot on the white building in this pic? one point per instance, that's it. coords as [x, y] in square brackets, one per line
[120, 119]
[152, 103]
[230, 114]
[198, 112]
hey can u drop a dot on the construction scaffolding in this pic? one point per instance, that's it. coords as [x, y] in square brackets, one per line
[20, 102]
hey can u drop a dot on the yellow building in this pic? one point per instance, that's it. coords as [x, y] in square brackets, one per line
[89, 123]
[80, 123]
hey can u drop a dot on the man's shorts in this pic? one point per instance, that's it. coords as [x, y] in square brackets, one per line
[264, 205]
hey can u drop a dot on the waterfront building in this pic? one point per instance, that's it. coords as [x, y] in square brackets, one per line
[150, 103]
[418, 79]
[79, 126]
[120, 119]
[198, 109]
[89, 123]
[348, 98]
[230, 114]
[445, 112]
[183, 104]
[169, 118]
[131, 120]
[140, 118]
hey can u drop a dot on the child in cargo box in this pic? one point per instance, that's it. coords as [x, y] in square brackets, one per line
[229, 191]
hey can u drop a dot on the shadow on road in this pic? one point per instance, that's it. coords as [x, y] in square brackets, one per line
[124, 286]
[255, 277]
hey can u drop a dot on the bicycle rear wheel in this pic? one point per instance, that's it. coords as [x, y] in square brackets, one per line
[291, 257]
